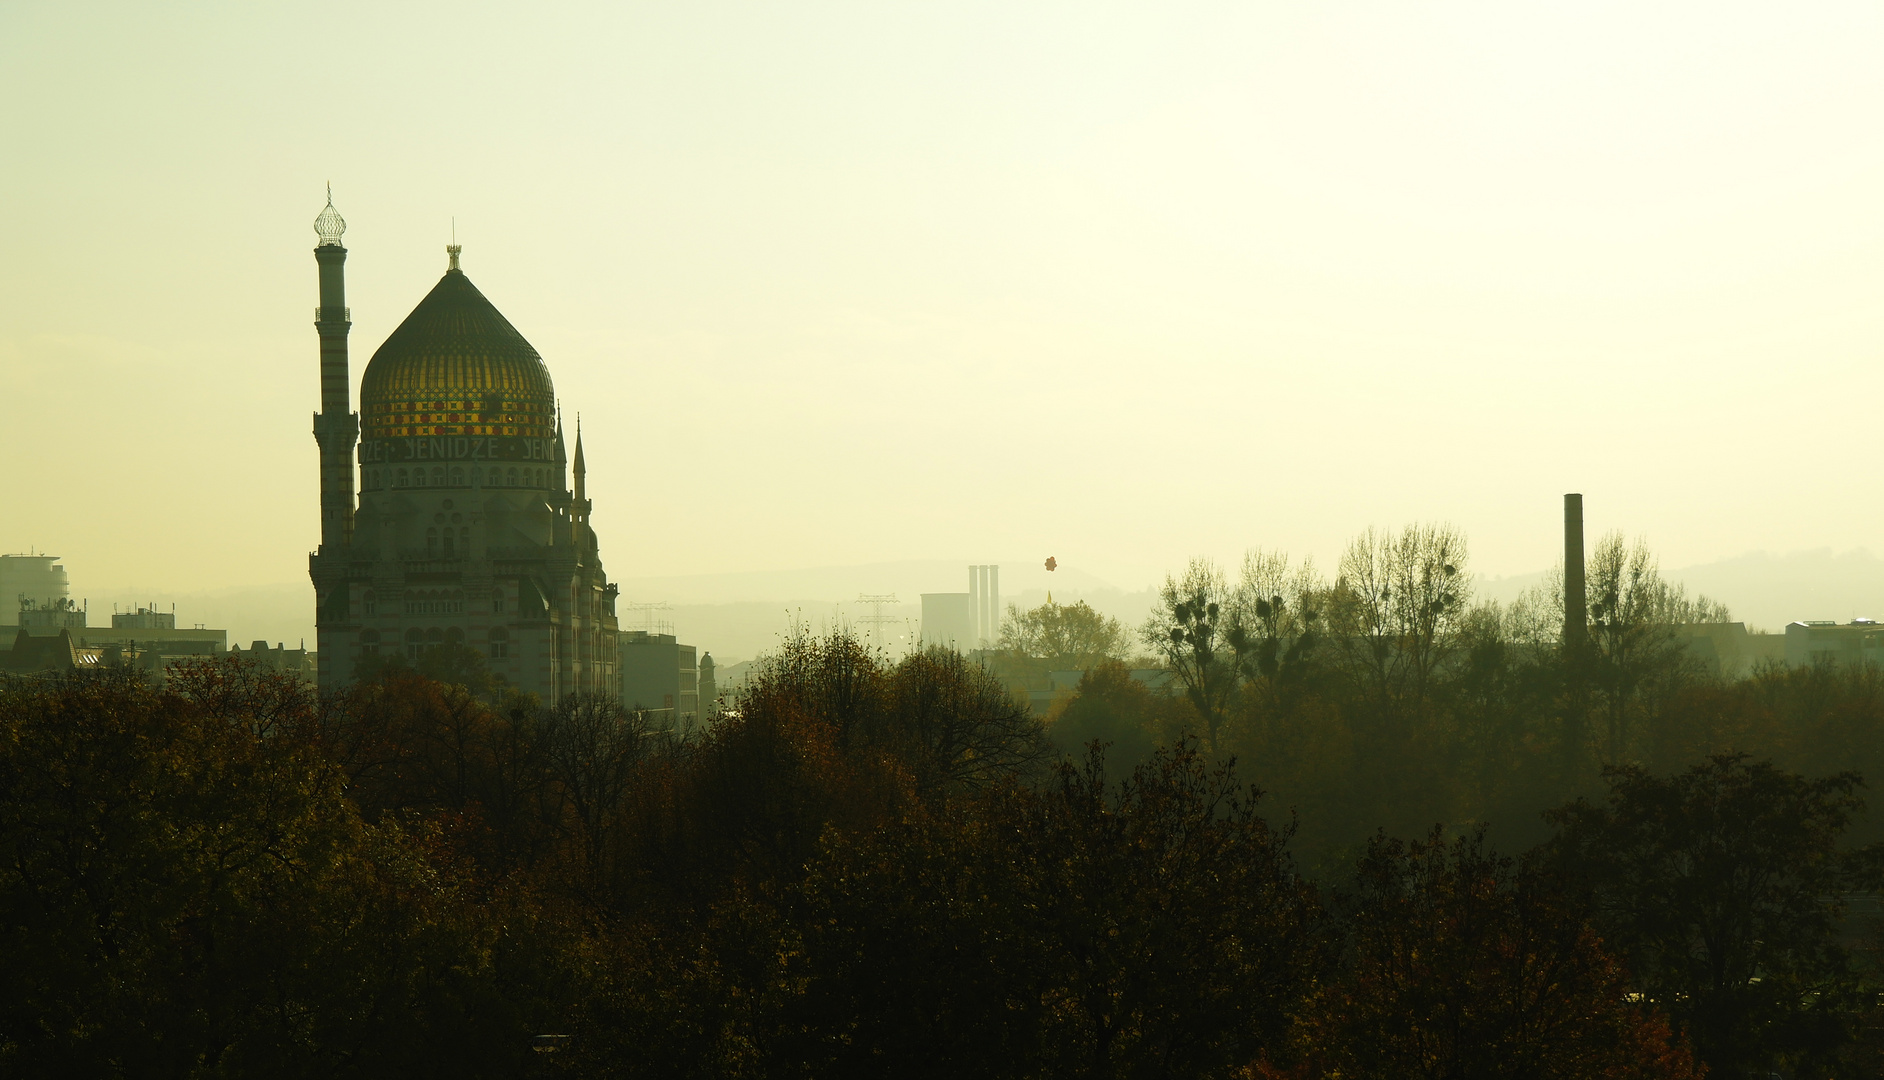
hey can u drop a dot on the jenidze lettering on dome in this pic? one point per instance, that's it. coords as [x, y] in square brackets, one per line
[464, 448]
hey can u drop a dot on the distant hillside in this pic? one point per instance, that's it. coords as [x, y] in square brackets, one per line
[1769, 591]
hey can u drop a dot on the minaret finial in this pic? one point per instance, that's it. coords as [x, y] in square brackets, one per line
[330, 225]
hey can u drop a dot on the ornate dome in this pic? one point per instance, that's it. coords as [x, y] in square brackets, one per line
[456, 367]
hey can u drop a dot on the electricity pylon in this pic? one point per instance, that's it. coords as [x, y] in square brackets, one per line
[876, 620]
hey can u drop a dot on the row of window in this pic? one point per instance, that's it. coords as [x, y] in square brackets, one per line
[456, 476]
[419, 642]
[434, 601]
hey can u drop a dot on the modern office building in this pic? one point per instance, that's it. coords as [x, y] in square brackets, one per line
[34, 578]
[48, 618]
[151, 631]
[142, 637]
[659, 675]
[465, 530]
[1858, 642]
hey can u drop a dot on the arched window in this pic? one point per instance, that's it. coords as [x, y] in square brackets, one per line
[513, 476]
[371, 602]
[451, 545]
[438, 476]
[464, 539]
[369, 643]
[415, 643]
[500, 643]
[431, 543]
[497, 602]
[457, 476]
[399, 480]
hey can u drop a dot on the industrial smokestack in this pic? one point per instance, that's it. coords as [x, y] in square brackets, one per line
[981, 615]
[994, 606]
[1575, 615]
[976, 607]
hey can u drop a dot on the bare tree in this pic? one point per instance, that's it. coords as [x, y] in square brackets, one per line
[1187, 627]
[1634, 636]
[1275, 617]
[594, 747]
[1634, 648]
[1395, 610]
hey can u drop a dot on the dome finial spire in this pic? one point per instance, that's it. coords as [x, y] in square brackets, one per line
[452, 249]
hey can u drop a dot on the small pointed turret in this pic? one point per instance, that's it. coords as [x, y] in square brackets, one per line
[581, 469]
[582, 473]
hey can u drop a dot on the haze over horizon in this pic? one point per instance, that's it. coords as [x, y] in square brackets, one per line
[738, 615]
[841, 284]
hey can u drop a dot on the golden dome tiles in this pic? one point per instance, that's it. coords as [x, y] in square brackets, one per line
[456, 366]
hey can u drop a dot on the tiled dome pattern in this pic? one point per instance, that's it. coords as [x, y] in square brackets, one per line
[456, 366]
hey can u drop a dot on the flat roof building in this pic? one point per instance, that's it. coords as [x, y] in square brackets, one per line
[1860, 641]
[36, 578]
[659, 675]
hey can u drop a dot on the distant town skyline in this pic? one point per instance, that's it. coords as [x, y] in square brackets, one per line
[840, 284]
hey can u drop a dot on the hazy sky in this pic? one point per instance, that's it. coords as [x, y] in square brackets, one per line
[837, 283]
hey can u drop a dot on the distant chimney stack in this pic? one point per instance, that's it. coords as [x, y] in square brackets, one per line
[1575, 615]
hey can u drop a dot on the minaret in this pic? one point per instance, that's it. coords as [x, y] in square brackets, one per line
[336, 428]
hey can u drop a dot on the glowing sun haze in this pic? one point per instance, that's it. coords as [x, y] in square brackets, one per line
[835, 283]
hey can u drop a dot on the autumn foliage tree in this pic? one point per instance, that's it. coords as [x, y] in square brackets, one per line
[186, 890]
[1723, 886]
[1460, 964]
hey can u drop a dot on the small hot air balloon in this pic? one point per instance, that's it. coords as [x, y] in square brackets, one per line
[1052, 563]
